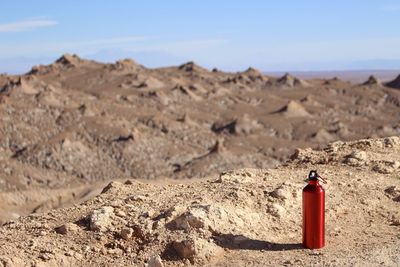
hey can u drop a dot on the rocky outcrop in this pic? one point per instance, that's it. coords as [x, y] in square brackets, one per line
[290, 81]
[293, 109]
[372, 80]
[394, 83]
[191, 67]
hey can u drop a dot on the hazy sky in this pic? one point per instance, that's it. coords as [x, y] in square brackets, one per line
[270, 35]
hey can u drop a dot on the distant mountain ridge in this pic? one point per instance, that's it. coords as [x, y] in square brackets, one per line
[355, 76]
[356, 71]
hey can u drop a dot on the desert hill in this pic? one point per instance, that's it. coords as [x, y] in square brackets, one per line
[70, 127]
[372, 80]
[246, 217]
[395, 83]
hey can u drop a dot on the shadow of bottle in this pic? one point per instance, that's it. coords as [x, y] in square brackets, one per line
[242, 242]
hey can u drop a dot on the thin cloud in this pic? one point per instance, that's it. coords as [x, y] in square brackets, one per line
[391, 8]
[80, 47]
[27, 25]
[128, 43]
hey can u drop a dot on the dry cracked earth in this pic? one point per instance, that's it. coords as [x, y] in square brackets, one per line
[207, 166]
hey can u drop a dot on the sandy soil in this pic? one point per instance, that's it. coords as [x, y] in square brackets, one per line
[247, 217]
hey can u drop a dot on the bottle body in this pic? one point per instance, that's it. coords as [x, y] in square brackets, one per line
[313, 215]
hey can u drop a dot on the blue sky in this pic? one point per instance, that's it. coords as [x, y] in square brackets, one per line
[232, 35]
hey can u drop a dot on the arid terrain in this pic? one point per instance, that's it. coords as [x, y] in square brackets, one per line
[246, 217]
[70, 127]
[212, 162]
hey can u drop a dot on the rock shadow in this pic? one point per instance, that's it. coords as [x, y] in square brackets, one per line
[242, 242]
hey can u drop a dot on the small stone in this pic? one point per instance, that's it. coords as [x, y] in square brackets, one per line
[78, 256]
[100, 220]
[277, 210]
[126, 233]
[42, 233]
[392, 190]
[281, 193]
[395, 220]
[155, 261]
[120, 213]
[67, 228]
[235, 177]
[149, 213]
[44, 257]
[288, 262]
[360, 155]
[112, 186]
[95, 249]
[115, 251]
[191, 219]
[129, 182]
[139, 198]
[69, 253]
[357, 158]
[197, 249]
[8, 171]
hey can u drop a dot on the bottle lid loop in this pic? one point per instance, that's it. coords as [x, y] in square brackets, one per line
[313, 175]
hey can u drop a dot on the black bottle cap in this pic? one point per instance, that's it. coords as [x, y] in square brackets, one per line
[313, 175]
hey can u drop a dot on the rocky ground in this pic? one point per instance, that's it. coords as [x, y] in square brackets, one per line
[246, 217]
[69, 128]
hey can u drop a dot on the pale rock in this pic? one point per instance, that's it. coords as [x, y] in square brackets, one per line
[42, 233]
[149, 213]
[78, 256]
[155, 261]
[222, 219]
[115, 251]
[359, 155]
[197, 249]
[239, 177]
[101, 219]
[190, 219]
[357, 158]
[120, 213]
[282, 192]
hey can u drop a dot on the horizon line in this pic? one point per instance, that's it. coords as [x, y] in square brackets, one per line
[225, 69]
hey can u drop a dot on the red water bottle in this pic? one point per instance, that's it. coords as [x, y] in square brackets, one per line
[313, 212]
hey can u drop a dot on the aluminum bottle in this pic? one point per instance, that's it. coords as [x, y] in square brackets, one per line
[313, 213]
